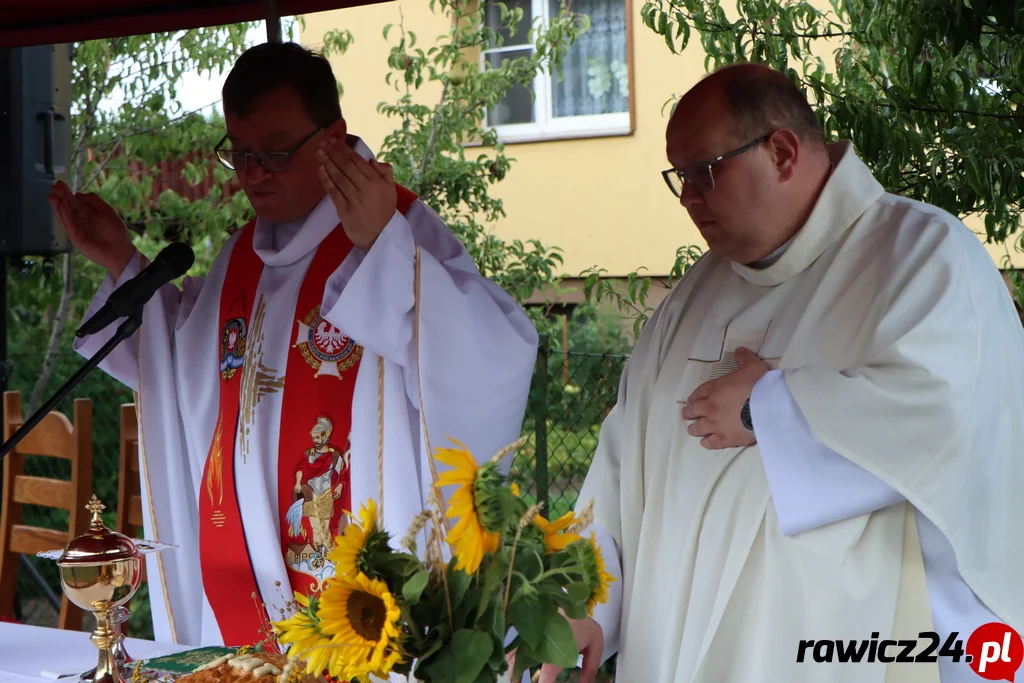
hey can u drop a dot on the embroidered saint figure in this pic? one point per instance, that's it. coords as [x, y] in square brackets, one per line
[317, 514]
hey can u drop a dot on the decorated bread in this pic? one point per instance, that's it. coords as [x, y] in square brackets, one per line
[253, 667]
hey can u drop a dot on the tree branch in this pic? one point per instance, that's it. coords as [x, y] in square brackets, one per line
[154, 129]
[55, 335]
[408, 96]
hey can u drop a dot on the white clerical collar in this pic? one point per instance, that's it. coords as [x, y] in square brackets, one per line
[282, 244]
[850, 190]
[772, 257]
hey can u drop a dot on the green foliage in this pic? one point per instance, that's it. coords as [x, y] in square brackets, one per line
[929, 91]
[126, 118]
[454, 621]
[441, 147]
[631, 297]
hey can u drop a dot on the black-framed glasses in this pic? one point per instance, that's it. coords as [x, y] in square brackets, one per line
[273, 162]
[699, 175]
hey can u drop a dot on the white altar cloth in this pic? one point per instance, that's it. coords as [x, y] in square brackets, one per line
[27, 651]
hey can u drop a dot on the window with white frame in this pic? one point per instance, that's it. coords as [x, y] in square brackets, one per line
[588, 97]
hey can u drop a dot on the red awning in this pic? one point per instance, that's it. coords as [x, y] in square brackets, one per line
[45, 22]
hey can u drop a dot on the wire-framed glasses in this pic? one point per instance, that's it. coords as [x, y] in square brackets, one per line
[274, 162]
[700, 175]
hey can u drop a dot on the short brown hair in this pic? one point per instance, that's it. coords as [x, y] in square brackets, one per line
[264, 68]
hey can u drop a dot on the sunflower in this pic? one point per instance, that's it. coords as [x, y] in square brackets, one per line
[476, 502]
[361, 618]
[358, 543]
[302, 629]
[597, 573]
[554, 538]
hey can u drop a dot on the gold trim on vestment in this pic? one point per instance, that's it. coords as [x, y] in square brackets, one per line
[144, 475]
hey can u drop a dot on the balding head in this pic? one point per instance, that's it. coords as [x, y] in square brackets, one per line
[753, 154]
[757, 100]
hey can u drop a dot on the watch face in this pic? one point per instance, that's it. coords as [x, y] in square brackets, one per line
[745, 418]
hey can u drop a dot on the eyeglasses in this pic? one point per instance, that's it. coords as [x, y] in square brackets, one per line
[274, 162]
[699, 175]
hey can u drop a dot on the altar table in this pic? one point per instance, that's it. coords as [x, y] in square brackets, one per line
[26, 652]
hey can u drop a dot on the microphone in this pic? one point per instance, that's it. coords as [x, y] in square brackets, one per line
[170, 264]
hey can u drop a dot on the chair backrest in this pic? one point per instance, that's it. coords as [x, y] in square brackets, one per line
[129, 496]
[129, 492]
[55, 437]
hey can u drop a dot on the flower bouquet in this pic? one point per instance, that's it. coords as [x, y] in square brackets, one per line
[392, 610]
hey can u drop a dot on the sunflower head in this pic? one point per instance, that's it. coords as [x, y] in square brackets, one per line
[362, 620]
[556, 538]
[478, 503]
[359, 544]
[302, 630]
[488, 495]
[597, 575]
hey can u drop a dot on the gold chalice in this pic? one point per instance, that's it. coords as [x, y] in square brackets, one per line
[100, 571]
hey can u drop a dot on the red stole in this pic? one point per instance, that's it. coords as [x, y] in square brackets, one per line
[313, 469]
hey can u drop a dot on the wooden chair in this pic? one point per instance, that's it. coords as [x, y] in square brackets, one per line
[53, 437]
[129, 493]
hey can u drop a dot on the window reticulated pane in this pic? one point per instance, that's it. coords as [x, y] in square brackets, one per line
[522, 32]
[595, 77]
[517, 105]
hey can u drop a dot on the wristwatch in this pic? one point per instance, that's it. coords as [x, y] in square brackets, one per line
[748, 422]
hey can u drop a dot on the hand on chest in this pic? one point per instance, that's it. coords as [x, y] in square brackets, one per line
[727, 343]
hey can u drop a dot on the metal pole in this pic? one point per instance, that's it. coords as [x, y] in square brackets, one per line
[37, 578]
[5, 367]
[541, 424]
[273, 12]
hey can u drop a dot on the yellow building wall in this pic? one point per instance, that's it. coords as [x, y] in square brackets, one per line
[601, 200]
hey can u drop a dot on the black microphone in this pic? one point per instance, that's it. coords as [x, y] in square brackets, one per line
[170, 264]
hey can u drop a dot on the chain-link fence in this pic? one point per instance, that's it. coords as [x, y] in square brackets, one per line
[570, 397]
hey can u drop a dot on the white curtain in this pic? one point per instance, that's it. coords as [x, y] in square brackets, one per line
[594, 78]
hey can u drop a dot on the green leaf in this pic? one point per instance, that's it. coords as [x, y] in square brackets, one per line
[558, 646]
[440, 667]
[458, 584]
[472, 649]
[530, 615]
[578, 591]
[414, 587]
[524, 662]
[974, 175]
[494, 575]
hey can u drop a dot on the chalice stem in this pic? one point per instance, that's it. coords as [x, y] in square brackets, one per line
[106, 638]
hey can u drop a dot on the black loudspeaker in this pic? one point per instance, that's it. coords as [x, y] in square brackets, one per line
[35, 142]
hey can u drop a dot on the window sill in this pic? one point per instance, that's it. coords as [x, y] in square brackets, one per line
[506, 137]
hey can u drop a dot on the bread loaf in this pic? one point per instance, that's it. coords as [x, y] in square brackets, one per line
[253, 667]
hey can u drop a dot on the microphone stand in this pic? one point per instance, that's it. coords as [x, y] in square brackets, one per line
[124, 331]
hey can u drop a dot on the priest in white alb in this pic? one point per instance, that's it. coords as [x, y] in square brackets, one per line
[345, 321]
[818, 435]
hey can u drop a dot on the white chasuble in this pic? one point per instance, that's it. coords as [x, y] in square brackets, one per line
[864, 314]
[473, 361]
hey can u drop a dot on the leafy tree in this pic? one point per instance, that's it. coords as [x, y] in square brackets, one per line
[126, 119]
[126, 106]
[441, 147]
[929, 91]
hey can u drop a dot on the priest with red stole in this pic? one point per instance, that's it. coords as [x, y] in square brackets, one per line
[336, 335]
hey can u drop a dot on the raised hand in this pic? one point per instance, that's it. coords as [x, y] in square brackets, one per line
[94, 228]
[363, 192]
